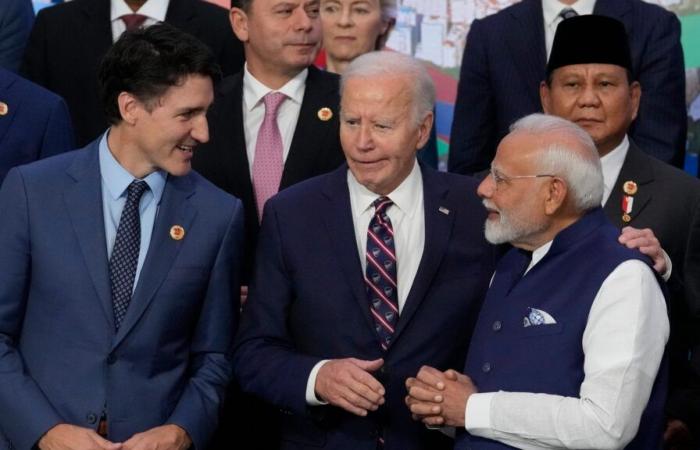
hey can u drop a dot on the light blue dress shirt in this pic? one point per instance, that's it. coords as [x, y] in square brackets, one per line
[115, 180]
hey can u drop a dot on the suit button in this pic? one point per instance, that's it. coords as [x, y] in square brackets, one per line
[91, 418]
[486, 368]
[111, 359]
[497, 325]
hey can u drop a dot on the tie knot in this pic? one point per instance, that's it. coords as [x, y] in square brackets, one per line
[568, 13]
[381, 204]
[273, 100]
[133, 21]
[136, 190]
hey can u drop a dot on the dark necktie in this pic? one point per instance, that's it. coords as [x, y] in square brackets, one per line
[380, 275]
[133, 21]
[125, 253]
[567, 13]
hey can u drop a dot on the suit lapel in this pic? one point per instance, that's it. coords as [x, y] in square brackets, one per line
[637, 168]
[438, 228]
[175, 209]
[341, 233]
[310, 129]
[10, 100]
[84, 205]
[527, 45]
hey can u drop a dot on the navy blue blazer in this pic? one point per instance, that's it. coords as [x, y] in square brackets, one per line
[60, 358]
[504, 62]
[16, 20]
[308, 303]
[36, 125]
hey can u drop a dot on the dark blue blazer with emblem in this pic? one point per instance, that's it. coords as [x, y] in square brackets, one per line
[504, 63]
[308, 303]
[36, 123]
[60, 358]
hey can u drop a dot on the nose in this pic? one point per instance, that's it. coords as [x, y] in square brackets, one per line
[304, 22]
[487, 187]
[364, 138]
[588, 97]
[200, 130]
[345, 18]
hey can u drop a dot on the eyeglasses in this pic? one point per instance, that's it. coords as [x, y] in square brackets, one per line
[501, 179]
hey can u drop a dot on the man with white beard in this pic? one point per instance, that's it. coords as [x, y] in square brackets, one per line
[571, 336]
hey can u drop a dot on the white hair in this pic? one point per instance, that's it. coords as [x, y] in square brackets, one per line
[387, 63]
[578, 165]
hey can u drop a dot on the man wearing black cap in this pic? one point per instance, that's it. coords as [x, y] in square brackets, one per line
[504, 62]
[589, 82]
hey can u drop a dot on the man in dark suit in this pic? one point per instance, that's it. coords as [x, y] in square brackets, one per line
[364, 274]
[588, 83]
[16, 19]
[69, 40]
[34, 123]
[504, 62]
[118, 287]
[279, 58]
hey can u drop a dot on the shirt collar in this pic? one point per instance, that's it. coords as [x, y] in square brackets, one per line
[116, 178]
[404, 196]
[552, 8]
[254, 90]
[153, 9]
[612, 162]
[539, 253]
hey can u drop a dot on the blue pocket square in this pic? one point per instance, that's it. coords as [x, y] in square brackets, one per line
[537, 317]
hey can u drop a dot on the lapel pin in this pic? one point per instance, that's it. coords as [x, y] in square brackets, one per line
[444, 210]
[627, 203]
[4, 109]
[325, 114]
[177, 232]
[630, 187]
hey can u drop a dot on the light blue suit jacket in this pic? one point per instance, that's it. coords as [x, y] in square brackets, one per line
[60, 358]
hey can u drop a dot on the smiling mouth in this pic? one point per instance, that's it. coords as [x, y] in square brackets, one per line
[186, 148]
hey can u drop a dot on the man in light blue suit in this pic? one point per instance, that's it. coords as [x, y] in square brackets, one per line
[118, 280]
[34, 123]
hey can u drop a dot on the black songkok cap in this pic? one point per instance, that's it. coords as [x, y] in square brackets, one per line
[590, 39]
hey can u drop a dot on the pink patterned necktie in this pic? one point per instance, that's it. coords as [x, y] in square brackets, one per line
[133, 21]
[267, 162]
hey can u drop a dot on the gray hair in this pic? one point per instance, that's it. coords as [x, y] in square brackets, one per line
[578, 165]
[383, 63]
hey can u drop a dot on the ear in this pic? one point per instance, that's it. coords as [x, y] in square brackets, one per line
[557, 190]
[129, 107]
[239, 23]
[635, 96]
[424, 130]
[545, 99]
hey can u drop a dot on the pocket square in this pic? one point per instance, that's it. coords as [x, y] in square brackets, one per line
[538, 317]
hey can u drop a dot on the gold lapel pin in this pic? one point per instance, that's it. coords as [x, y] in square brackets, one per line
[630, 187]
[177, 232]
[325, 114]
[4, 109]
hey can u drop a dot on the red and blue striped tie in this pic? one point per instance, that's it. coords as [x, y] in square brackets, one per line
[380, 274]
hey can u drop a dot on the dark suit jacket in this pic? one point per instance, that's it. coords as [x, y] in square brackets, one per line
[60, 358]
[69, 40]
[668, 202]
[36, 125]
[504, 62]
[315, 147]
[16, 19]
[308, 303]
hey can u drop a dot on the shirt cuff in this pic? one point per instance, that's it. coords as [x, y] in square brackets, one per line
[311, 398]
[477, 414]
[669, 266]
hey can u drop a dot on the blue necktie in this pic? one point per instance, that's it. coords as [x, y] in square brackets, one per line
[380, 274]
[125, 253]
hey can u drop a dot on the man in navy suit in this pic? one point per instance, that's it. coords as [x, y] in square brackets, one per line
[504, 62]
[34, 123]
[16, 20]
[118, 289]
[364, 274]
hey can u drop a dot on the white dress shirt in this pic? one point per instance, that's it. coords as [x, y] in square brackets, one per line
[154, 10]
[551, 10]
[623, 344]
[254, 111]
[407, 216]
